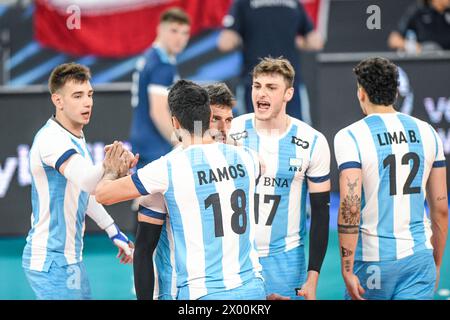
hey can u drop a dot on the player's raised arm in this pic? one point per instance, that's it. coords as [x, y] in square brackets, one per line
[81, 171]
[61, 155]
[115, 185]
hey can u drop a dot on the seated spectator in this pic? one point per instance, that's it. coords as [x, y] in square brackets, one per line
[423, 28]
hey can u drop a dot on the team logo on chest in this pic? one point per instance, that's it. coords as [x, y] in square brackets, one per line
[299, 142]
[239, 135]
[295, 164]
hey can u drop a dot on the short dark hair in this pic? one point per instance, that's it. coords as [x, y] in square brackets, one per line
[280, 65]
[379, 78]
[189, 102]
[66, 72]
[219, 94]
[175, 14]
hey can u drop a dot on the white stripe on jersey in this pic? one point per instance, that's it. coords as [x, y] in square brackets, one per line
[295, 199]
[70, 216]
[270, 156]
[41, 231]
[249, 164]
[428, 148]
[371, 181]
[230, 266]
[174, 289]
[186, 198]
[401, 203]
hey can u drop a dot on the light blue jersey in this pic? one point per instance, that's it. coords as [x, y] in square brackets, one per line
[58, 206]
[396, 153]
[208, 190]
[290, 159]
[154, 206]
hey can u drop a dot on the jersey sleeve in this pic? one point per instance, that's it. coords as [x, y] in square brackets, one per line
[55, 149]
[153, 205]
[235, 17]
[346, 150]
[305, 26]
[439, 160]
[319, 166]
[153, 178]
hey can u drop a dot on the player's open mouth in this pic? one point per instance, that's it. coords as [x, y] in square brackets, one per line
[263, 105]
[86, 114]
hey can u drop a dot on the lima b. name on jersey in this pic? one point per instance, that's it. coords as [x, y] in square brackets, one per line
[396, 153]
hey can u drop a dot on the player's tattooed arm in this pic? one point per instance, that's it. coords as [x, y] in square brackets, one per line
[350, 208]
[347, 263]
[349, 217]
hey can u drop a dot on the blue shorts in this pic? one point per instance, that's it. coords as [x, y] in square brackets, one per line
[285, 271]
[60, 283]
[251, 290]
[410, 278]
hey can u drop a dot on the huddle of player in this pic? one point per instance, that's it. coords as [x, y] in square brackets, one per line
[223, 215]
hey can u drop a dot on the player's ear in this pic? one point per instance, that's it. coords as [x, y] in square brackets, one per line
[361, 94]
[175, 123]
[57, 101]
[289, 94]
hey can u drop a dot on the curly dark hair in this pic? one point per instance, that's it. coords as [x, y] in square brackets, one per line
[220, 94]
[379, 78]
[189, 103]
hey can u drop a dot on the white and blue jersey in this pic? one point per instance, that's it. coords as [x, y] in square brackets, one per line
[154, 206]
[396, 153]
[155, 72]
[290, 159]
[58, 206]
[208, 190]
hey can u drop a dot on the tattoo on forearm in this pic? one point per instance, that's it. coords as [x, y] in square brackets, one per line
[347, 265]
[441, 198]
[348, 229]
[351, 205]
[346, 252]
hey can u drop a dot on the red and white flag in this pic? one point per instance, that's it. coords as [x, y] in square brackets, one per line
[114, 28]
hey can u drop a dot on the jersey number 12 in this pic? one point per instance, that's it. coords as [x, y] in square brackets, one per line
[390, 161]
